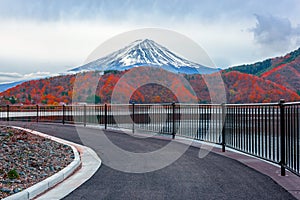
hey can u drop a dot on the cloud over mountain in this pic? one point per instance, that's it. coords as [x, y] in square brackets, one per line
[6, 77]
[275, 32]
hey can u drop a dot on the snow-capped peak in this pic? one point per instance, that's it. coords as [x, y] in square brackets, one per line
[145, 52]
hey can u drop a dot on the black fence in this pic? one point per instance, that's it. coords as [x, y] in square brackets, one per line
[268, 131]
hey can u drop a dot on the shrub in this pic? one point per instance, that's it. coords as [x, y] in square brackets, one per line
[13, 174]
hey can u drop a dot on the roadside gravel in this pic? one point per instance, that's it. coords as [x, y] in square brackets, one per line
[26, 159]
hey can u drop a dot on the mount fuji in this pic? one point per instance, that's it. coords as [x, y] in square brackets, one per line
[145, 53]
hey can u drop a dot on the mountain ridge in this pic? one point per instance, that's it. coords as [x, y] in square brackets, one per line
[283, 70]
[240, 88]
[259, 68]
[5, 86]
[145, 53]
[265, 81]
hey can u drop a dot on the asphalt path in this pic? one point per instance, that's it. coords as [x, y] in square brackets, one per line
[211, 177]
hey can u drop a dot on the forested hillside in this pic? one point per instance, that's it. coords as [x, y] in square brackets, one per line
[240, 88]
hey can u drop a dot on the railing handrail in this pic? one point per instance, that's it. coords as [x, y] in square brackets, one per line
[162, 104]
[292, 103]
[252, 104]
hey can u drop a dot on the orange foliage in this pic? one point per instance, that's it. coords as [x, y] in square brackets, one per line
[240, 88]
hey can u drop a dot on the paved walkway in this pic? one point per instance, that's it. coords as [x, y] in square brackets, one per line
[212, 177]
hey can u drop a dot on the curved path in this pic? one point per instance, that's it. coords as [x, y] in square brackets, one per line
[212, 177]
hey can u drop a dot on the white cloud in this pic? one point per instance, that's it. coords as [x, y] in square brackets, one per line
[29, 46]
[7, 77]
[275, 33]
[10, 75]
[36, 75]
[60, 36]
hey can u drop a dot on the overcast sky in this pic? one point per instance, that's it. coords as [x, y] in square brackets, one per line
[43, 37]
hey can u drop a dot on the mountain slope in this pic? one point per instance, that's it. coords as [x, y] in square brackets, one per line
[6, 86]
[287, 74]
[262, 67]
[284, 71]
[145, 53]
[240, 88]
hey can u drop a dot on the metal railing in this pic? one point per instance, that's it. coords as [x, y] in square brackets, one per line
[268, 131]
[290, 133]
[254, 129]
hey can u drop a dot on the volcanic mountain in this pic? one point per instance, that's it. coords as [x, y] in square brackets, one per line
[266, 81]
[145, 53]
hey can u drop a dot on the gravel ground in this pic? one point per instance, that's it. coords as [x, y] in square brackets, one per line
[27, 159]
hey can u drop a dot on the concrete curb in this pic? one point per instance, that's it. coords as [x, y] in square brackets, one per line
[51, 181]
[90, 163]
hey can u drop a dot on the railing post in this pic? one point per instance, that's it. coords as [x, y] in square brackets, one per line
[282, 136]
[7, 113]
[173, 120]
[223, 126]
[133, 117]
[37, 113]
[105, 116]
[84, 115]
[63, 114]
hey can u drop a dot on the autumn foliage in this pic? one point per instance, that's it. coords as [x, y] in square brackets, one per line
[239, 87]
